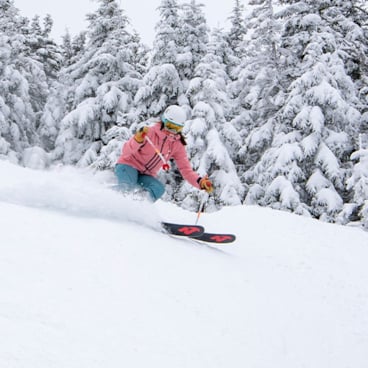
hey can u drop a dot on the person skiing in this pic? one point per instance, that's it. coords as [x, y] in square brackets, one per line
[150, 150]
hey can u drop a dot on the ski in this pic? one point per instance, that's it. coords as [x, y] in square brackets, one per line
[197, 233]
[182, 229]
[215, 238]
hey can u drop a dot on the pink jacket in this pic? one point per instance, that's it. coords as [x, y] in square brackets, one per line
[143, 157]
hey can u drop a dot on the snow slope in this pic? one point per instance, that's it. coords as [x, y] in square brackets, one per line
[86, 280]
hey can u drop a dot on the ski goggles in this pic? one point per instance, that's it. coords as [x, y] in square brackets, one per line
[172, 127]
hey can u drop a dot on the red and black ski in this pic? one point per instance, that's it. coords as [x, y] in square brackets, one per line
[182, 229]
[216, 238]
[197, 232]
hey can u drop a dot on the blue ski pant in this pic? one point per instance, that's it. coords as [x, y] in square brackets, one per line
[130, 178]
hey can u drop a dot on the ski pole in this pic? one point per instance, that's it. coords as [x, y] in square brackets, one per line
[201, 206]
[166, 165]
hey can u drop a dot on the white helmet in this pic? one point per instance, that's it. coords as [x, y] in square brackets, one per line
[174, 114]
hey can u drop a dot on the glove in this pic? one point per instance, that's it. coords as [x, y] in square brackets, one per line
[142, 132]
[206, 184]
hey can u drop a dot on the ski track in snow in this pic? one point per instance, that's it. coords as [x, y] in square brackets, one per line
[87, 281]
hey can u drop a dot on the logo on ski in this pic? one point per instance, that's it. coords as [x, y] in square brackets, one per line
[221, 238]
[215, 238]
[182, 229]
[189, 230]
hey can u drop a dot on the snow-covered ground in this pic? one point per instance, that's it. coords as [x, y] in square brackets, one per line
[87, 281]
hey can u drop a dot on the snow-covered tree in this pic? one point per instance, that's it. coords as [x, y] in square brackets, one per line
[60, 96]
[140, 54]
[101, 86]
[257, 92]
[72, 48]
[46, 62]
[349, 21]
[193, 40]
[235, 39]
[162, 85]
[208, 154]
[205, 131]
[166, 44]
[54, 111]
[358, 183]
[237, 30]
[305, 167]
[43, 48]
[20, 77]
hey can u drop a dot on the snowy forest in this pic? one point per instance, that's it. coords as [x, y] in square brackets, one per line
[277, 105]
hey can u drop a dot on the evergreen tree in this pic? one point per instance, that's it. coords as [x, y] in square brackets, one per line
[162, 85]
[72, 48]
[102, 84]
[60, 97]
[349, 21]
[305, 167]
[166, 44]
[257, 93]
[193, 40]
[140, 54]
[43, 51]
[66, 48]
[358, 183]
[235, 39]
[20, 77]
[214, 67]
[237, 31]
[41, 47]
[207, 151]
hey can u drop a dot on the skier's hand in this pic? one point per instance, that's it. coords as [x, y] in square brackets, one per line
[140, 135]
[206, 184]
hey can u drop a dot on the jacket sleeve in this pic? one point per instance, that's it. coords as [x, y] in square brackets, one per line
[184, 166]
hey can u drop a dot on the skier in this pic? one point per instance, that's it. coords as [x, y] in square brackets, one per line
[150, 149]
